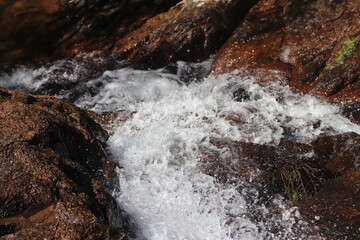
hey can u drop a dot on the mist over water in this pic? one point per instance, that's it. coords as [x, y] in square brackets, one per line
[175, 113]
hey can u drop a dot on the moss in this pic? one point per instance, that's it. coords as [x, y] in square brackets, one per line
[347, 47]
[298, 181]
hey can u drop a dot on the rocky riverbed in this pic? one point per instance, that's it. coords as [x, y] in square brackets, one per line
[224, 119]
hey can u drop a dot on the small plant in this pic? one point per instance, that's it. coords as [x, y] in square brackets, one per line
[348, 47]
[298, 181]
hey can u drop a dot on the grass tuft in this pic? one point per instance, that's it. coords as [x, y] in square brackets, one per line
[299, 181]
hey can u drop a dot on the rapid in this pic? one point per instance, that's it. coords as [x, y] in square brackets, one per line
[166, 120]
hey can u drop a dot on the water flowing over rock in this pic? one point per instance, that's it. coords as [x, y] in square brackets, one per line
[53, 171]
[335, 209]
[236, 154]
[313, 45]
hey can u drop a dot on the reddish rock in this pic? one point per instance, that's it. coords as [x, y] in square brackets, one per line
[51, 162]
[233, 161]
[150, 33]
[39, 30]
[335, 209]
[255, 47]
[331, 202]
[189, 31]
[312, 45]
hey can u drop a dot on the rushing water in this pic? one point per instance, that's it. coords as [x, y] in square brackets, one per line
[174, 114]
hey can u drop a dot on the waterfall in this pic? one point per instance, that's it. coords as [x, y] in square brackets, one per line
[173, 115]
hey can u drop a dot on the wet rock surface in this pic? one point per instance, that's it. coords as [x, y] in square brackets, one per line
[53, 171]
[311, 45]
[40, 30]
[335, 208]
[189, 31]
[149, 33]
[321, 177]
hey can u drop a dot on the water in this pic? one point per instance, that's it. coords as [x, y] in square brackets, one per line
[175, 114]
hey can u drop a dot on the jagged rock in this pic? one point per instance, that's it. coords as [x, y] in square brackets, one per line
[51, 164]
[328, 168]
[150, 33]
[335, 208]
[190, 31]
[39, 30]
[232, 161]
[311, 44]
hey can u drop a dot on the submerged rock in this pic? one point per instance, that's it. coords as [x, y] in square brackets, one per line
[52, 171]
[321, 178]
[312, 45]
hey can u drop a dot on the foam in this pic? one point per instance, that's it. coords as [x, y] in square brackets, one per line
[158, 148]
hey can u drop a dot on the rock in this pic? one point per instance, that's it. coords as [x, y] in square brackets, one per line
[149, 33]
[241, 95]
[39, 30]
[325, 181]
[189, 31]
[97, 26]
[51, 171]
[335, 208]
[311, 45]
[233, 161]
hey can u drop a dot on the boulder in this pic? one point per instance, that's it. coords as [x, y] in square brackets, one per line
[189, 31]
[53, 171]
[238, 162]
[321, 178]
[335, 208]
[149, 33]
[42, 30]
[313, 45]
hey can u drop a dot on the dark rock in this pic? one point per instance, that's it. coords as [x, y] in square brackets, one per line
[311, 44]
[189, 31]
[234, 161]
[241, 95]
[324, 175]
[39, 30]
[335, 209]
[351, 111]
[51, 171]
[148, 33]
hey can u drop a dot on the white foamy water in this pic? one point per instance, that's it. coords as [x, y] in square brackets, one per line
[159, 148]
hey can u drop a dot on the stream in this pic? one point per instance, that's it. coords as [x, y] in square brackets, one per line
[166, 120]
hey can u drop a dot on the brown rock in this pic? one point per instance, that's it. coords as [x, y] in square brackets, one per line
[51, 157]
[335, 209]
[328, 168]
[143, 32]
[233, 161]
[189, 31]
[312, 45]
[38, 30]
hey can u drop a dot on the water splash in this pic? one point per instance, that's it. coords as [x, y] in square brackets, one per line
[159, 147]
